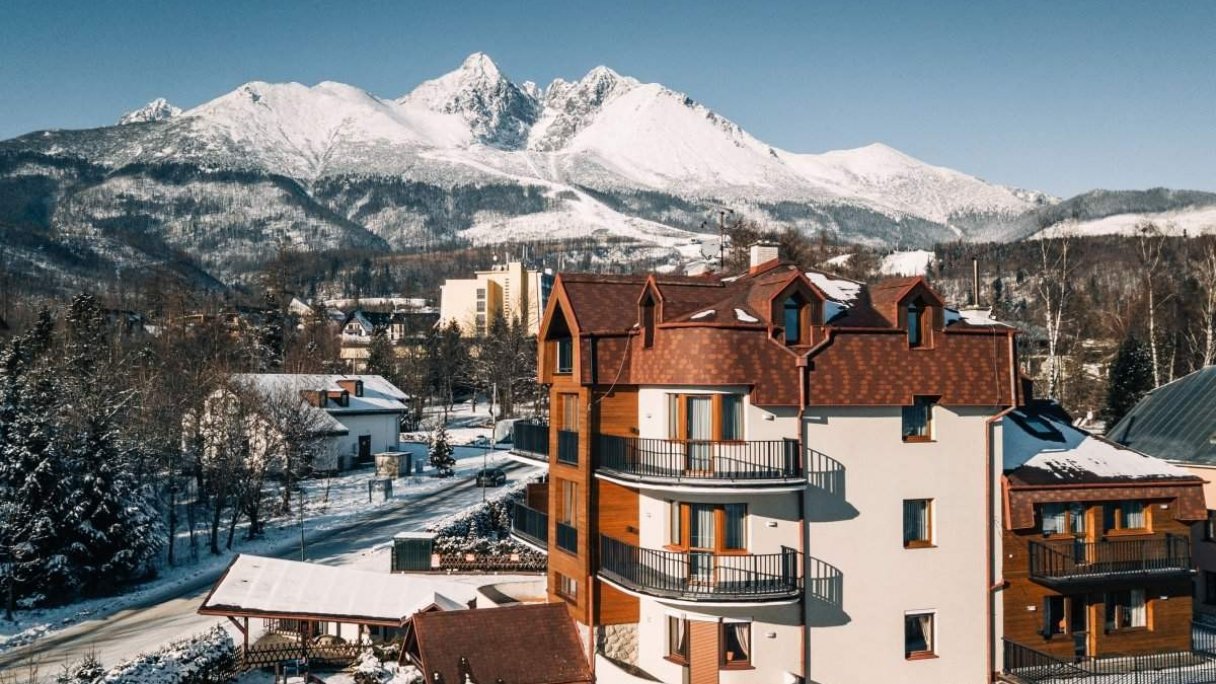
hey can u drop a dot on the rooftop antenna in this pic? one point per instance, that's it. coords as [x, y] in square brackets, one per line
[975, 283]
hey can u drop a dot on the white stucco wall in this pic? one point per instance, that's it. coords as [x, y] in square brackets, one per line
[384, 429]
[758, 423]
[1202, 550]
[882, 579]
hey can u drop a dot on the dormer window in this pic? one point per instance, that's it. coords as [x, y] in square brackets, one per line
[648, 321]
[916, 323]
[792, 320]
[565, 355]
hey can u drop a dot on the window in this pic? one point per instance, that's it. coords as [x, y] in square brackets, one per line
[916, 318]
[918, 420]
[569, 412]
[677, 639]
[708, 527]
[565, 355]
[1126, 610]
[918, 523]
[569, 502]
[736, 644]
[1209, 526]
[918, 635]
[1054, 619]
[792, 320]
[732, 417]
[648, 319]
[567, 587]
[1209, 588]
[1062, 518]
[673, 416]
[1124, 515]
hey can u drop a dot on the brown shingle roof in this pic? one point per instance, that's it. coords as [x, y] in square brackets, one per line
[603, 303]
[526, 644]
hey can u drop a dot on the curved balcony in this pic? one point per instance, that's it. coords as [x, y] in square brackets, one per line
[701, 463]
[702, 576]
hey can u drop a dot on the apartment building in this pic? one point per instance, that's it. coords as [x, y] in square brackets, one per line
[775, 477]
[511, 290]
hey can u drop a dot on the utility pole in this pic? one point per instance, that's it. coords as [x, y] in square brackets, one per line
[485, 455]
[300, 505]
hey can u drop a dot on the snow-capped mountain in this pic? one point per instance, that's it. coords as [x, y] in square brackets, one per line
[156, 110]
[472, 155]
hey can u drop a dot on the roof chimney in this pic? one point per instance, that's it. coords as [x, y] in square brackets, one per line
[763, 252]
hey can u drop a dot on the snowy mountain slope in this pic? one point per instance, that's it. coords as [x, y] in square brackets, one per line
[156, 110]
[1190, 221]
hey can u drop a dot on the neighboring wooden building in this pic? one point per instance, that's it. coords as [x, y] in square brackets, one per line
[1097, 542]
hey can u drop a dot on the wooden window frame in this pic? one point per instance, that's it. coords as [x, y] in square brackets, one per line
[932, 651]
[559, 344]
[924, 314]
[673, 651]
[930, 542]
[725, 663]
[1070, 516]
[931, 402]
[1117, 516]
[565, 400]
[1118, 608]
[560, 587]
[717, 411]
[567, 489]
[685, 527]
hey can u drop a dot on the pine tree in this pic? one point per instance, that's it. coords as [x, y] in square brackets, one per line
[441, 458]
[1131, 376]
[380, 357]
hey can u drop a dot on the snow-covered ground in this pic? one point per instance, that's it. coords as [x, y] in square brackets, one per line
[910, 263]
[1191, 221]
[330, 504]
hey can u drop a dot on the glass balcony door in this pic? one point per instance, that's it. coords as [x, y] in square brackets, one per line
[700, 431]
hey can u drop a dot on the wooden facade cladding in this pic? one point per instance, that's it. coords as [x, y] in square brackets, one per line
[1168, 600]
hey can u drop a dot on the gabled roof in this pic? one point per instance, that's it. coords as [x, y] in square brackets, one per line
[379, 395]
[522, 644]
[602, 303]
[1042, 447]
[1176, 421]
[273, 587]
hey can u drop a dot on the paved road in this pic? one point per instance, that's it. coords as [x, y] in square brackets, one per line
[144, 627]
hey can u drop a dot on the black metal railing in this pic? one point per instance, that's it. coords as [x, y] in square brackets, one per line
[1025, 664]
[567, 537]
[567, 446]
[530, 524]
[716, 462]
[698, 576]
[825, 473]
[530, 439]
[1078, 561]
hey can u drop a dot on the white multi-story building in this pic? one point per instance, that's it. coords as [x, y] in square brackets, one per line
[510, 290]
[780, 477]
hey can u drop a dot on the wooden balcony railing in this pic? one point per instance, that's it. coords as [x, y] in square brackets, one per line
[705, 462]
[567, 447]
[698, 576]
[530, 524]
[530, 439]
[1068, 561]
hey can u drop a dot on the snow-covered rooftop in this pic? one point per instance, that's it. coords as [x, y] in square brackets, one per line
[842, 290]
[379, 395]
[259, 585]
[1040, 447]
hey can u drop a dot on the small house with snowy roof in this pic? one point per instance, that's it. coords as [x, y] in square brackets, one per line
[1096, 542]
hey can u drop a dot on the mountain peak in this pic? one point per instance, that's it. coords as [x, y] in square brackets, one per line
[480, 63]
[156, 110]
[498, 112]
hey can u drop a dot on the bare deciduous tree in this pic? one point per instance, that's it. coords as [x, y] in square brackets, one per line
[1055, 290]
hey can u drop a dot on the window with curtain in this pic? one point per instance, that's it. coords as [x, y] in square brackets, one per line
[675, 524]
[1125, 515]
[701, 526]
[918, 523]
[677, 639]
[918, 635]
[700, 428]
[1054, 518]
[735, 522]
[736, 643]
[570, 412]
[565, 355]
[567, 587]
[1126, 609]
[918, 420]
[569, 503]
[673, 416]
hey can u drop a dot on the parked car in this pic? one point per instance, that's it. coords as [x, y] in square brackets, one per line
[491, 477]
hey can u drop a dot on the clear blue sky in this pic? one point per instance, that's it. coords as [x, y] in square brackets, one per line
[1057, 96]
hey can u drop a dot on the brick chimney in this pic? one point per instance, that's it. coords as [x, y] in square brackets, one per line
[762, 253]
[317, 398]
[352, 386]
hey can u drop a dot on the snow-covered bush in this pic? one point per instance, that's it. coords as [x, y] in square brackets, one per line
[485, 529]
[84, 671]
[369, 670]
[201, 659]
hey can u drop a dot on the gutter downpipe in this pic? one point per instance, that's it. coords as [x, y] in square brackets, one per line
[990, 501]
[803, 363]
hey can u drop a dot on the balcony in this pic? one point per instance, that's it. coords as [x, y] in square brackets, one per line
[1072, 563]
[567, 447]
[567, 537]
[531, 441]
[698, 576]
[700, 463]
[530, 525]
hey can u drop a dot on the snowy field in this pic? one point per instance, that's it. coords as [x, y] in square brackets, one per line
[330, 505]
